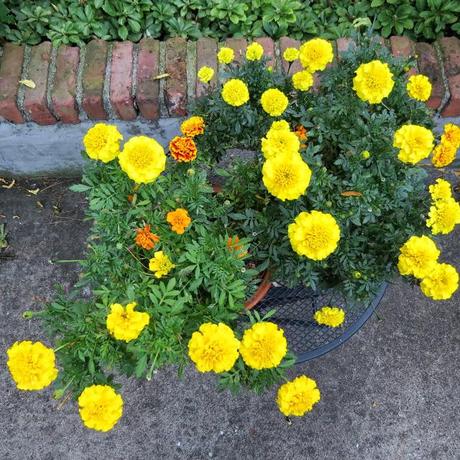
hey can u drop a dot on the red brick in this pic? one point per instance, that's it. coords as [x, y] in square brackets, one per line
[35, 102]
[450, 47]
[176, 83]
[287, 42]
[121, 81]
[403, 47]
[206, 55]
[343, 45]
[147, 88]
[10, 74]
[269, 49]
[93, 79]
[238, 45]
[428, 65]
[63, 94]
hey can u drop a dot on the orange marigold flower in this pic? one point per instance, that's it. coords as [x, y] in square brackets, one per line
[183, 149]
[443, 155]
[145, 238]
[193, 126]
[301, 132]
[233, 245]
[179, 220]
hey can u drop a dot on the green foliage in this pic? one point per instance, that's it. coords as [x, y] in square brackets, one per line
[209, 283]
[77, 21]
[389, 206]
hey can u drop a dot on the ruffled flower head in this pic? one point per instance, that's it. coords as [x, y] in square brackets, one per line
[183, 149]
[102, 142]
[193, 126]
[124, 323]
[418, 255]
[444, 216]
[32, 365]
[235, 92]
[100, 407]
[160, 264]
[225, 55]
[419, 87]
[373, 81]
[298, 397]
[316, 54]
[142, 159]
[330, 316]
[213, 348]
[415, 143]
[205, 74]
[441, 283]
[145, 238]
[263, 346]
[274, 102]
[254, 52]
[314, 234]
[286, 176]
[279, 142]
[179, 220]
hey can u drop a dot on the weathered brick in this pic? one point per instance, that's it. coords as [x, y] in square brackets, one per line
[147, 87]
[93, 79]
[403, 47]
[206, 55]
[269, 49]
[450, 47]
[63, 94]
[121, 81]
[343, 45]
[428, 65]
[238, 45]
[35, 102]
[287, 42]
[176, 83]
[10, 74]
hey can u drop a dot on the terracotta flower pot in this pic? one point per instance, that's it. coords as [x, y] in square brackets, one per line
[261, 292]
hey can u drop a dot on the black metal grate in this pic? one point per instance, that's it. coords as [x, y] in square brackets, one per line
[294, 314]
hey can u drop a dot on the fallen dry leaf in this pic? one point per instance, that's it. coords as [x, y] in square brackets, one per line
[351, 193]
[33, 192]
[40, 204]
[163, 75]
[9, 185]
[28, 83]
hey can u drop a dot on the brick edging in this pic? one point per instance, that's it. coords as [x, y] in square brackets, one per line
[117, 80]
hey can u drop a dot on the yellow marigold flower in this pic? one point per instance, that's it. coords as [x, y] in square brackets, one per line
[160, 264]
[303, 80]
[418, 255]
[291, 54]
[330, 316]
[205, 74]
[280, 124]
[443, 155]
[254, 52]
[451, 135]
[32, 365]
[444, 216]
[298, 396]
[373, 81]
[414, 142]
[235, 92]
[274, 102]
[102, 142]
[100, 407]
[316, 54]
[263, 346]
[441, 283]
[213, 347]
[179, 220]
[125, 323]
[145, 238]
[225, 55]
[278, 142]
[365, 154]
[314, 234]
[286, 176]
[419, 87]
[440, 190]
[193, 126]
[183, 149]
[142, 159]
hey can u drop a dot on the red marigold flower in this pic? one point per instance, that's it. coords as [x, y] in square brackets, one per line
[183, 149]
[145, 238]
